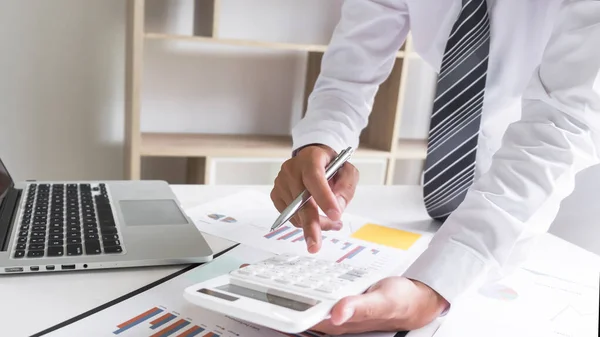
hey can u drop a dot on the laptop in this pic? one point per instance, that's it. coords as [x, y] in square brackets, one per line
[52, 226]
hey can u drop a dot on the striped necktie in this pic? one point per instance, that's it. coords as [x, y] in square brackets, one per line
[455, 119]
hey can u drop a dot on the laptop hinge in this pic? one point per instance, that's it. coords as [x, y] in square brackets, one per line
[7, 213]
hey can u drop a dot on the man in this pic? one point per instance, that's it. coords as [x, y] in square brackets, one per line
[516, 116]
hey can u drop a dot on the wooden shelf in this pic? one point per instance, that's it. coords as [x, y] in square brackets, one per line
[219, 145]
[244, 43]
[411, 149]
[379, 139]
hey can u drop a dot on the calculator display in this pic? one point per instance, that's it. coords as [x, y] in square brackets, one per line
[267, 295]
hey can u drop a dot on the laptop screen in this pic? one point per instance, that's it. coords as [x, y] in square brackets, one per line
[6, 181]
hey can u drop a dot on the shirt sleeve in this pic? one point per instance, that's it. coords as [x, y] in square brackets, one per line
[360, 56]
[490, 233]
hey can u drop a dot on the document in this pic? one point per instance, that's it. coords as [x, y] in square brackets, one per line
[162, 311]
[532, 302]
[246, 217]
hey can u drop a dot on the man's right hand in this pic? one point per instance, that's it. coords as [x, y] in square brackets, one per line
[307, 170]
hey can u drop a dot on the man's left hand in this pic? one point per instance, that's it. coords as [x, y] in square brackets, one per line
[393, 304]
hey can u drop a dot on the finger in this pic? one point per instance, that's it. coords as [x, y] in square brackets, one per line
[279, 204]
[318, 186]
[244, 265]
[309, 216]
[278, 194]
[293, 183]
[344, 185]
[370, 305]
[281, 199]
[327, 224]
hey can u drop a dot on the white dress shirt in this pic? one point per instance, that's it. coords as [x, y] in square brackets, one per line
[539, 125]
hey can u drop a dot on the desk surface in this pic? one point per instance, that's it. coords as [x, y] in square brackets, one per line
[36, 302]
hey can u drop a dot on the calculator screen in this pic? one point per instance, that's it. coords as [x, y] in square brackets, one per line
[267, 295]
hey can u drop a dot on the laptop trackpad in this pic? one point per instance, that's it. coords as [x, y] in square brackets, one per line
[151, 212]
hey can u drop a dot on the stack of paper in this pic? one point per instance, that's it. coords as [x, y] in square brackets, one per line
[532, 302]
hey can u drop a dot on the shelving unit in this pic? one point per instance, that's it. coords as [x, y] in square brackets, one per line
[379, 141]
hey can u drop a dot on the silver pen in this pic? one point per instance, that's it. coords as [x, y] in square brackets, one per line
[305, 196]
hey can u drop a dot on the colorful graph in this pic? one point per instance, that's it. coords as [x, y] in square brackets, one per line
[276, 232]
[221, 217]
[215, 216]
[351, 253]
[295, 235]
[290, 234]
[164, 324]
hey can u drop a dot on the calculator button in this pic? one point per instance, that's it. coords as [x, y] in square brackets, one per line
[339, 282]
[358, 272]
[252, 268]
[313, 278]
[348, 277]
[301, 285]
[283, 280]
[265, 275]
[265, 266]
[327, 288]
[242, 271]
[323, 277]
[332, 272]
[296, 276]
[308, 284]
[323, 263]
[305, 261]
[304, 270]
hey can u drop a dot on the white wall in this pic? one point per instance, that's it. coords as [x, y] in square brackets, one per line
[61, 88]
[224, 89]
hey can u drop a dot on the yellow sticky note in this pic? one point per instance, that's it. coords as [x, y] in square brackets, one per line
[386, 236]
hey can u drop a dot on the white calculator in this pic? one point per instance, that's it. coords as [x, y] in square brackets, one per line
[287, 293]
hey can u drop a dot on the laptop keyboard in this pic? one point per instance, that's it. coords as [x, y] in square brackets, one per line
[67, 220]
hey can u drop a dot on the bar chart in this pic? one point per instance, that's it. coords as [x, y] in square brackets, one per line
[221, 217]
[372, 245]
[159, 322]
[349, 249]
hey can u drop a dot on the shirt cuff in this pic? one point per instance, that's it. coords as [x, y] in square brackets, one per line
[318, 137]
[447, 268]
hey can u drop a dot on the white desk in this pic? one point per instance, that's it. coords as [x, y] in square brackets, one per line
[32, 303]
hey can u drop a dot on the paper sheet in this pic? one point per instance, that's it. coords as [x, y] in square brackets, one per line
[162, 311]
[529, 303]
[246, 217]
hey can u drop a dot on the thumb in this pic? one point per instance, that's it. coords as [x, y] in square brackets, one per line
[344, 184]
[371, 304]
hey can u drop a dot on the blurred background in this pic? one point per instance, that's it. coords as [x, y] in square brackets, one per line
[62, 91]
